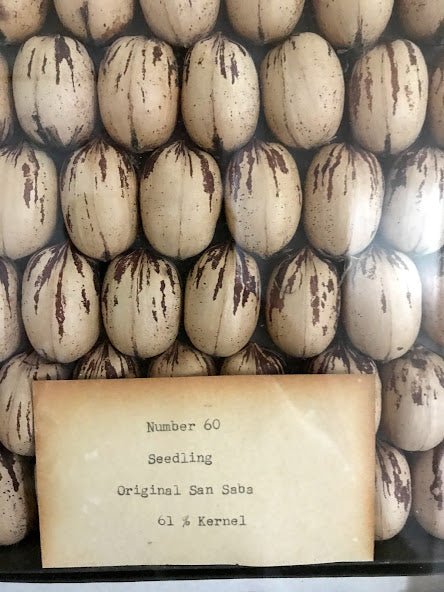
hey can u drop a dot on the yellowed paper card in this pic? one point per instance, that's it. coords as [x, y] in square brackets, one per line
[255, 471]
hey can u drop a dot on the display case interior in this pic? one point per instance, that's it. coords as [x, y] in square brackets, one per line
[413, 551]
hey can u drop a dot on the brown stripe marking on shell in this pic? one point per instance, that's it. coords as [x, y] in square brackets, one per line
[126, 170]
[141, 264]
[58, 258]
[59, 304]
[279, 291]
[355, 88]
[367, 263]
[71, 165]
[86, 365]
[62, 52]
[4, 370]
[332, 162]
[8, 460]
[439, 272]
[208, 361]
[411, 51]
[392, 383]
[56, 253]
[401, 491]
[28, 185]
[213, 257]
[85, 301]
[260, 27]
[31, 61]
[154, 311]
[29, 421]
[437, 486]
[4, 281]
[171, 356]
[143, 70]
[110, 370]
[187, 66]
[157, 54]
[222, 46]
[171, 359]
[279, 57]
[173, 73]
[219, 57]
[347, 356]
[415, 365]
[84, 15]
[368, 84]
[180, 149]
[172, 276]
[163, 300]
[376, 176]
[106, 254]
[252, 154]
[315, 301]
[412, 160]
[31, 176]
[208, 177]
[151, 162]
[266, 361]
[100, 363]
[394, 75]
[439, 373]
[30, 173]
[123, 72]
[18, 421]
[101, 149]
[36, 169]
[128, 262]
[246, 284]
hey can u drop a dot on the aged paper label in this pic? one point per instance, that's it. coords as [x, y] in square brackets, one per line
[253, 471]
